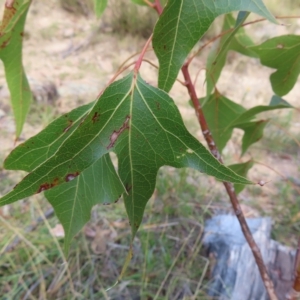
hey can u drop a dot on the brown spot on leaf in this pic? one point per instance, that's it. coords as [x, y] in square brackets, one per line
[70, 123]
[95, 117]
[157, 105]
[114, 136]
[47, 186]
[43, 187]
[280, 46]
[5, 43]
[55, 182]
[9, 12]
[22, 34]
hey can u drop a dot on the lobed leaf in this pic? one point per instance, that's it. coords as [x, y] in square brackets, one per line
[73, 201]
[275, 103]
[241, 169]
[11, 41]
[36, 150]
[281, 53]
[237, 41]
[183, 23]
[144, 127]
[223, 115]
[253, 132]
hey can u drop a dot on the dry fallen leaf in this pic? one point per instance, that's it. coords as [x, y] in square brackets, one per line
[100, 241]
[120, 224]
[89, 231]
[58, 231]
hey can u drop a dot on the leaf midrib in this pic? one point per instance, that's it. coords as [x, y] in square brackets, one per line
[218, 171]
[173, 46]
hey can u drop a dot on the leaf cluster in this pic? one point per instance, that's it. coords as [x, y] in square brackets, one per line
[140, 123]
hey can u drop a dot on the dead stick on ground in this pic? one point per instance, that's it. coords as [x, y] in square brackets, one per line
[294, 293]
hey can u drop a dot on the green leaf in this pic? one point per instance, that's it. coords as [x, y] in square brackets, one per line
[99, 6]
[241, 17]
[223, 115]
[253, 133]
[241, 169]
[281, 53]
[11, 40]
[140, 2]
[36, 150]
[143, 126]
[183, 23]
[237, 41]
[74, 200]
[276, 103]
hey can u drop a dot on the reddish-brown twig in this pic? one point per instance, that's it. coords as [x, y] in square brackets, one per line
[130, 57]
[229, 186]
[157, 6]
[294, 292]
[117, 74]
[140, 59]
[296, 285]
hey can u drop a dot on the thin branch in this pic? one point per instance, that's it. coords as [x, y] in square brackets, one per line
[230, 30]
[286, 132]
[156, 67]
[140, 59]
[157, 6]
[197, 75]
[118, 73]
[152, 64]
[229, 186]
[288, 180]
[151, 4]
[130, 57]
